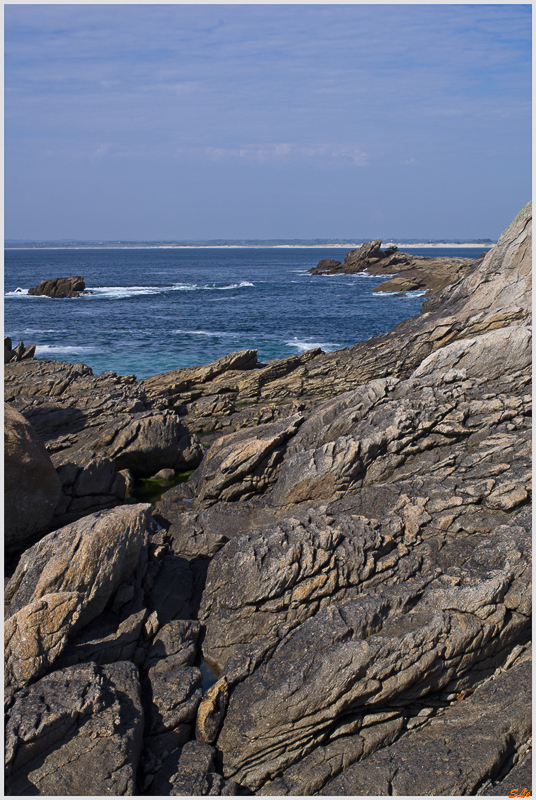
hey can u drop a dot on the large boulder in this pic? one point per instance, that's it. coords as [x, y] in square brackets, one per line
[36, 635]
[243, 463]
[147, 442]
[77, 731]
[63, 583]
[32, 486]
[91, 557]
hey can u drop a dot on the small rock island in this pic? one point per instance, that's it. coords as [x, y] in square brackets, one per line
[59, 287]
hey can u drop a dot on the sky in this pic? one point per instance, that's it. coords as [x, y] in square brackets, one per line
[196, 121]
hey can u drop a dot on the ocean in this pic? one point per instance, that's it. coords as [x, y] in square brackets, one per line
[154, 309]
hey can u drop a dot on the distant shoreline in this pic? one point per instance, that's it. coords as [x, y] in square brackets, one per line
[335, 245]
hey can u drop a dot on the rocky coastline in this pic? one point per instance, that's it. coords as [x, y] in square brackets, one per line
[330, 596]
[405, 272]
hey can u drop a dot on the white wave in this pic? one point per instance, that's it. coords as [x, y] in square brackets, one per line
[24, 331]
[366, 274]
[209, 287]
[184, 287]
[119, 292]
[399, 293]
[303, 346]
[240, 285]
[206, 333]
[42, 349]
[17, 293]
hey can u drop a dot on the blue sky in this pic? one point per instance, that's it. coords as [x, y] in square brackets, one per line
[266, 121]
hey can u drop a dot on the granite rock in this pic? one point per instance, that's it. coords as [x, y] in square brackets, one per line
[32, 487]
[458, 751]
[91, 557]
[77, 731]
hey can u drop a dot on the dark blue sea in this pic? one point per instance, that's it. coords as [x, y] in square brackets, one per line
[154, 310]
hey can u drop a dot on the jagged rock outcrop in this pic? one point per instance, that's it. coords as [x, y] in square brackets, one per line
[147, 442]
[243, 463]
[87, 484]
[95, 427]
[291, 571]
[190, 773]
[19, 353]
[411, 272]
[59, 287]
[383, 650]
[451, 761]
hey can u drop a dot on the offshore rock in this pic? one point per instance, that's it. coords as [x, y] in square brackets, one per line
[32, 487]
[412, 272]
[59, 287]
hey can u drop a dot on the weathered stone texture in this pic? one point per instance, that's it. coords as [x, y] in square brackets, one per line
[31, 485]
[78, 731]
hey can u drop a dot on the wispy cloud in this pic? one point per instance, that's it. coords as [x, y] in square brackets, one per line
[279, 152]
[237, 86]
